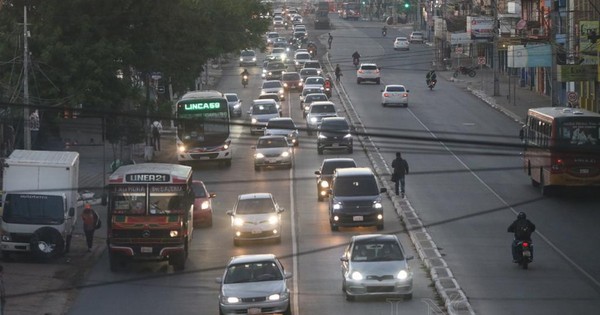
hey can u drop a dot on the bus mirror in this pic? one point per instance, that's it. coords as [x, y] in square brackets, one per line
[522, 133]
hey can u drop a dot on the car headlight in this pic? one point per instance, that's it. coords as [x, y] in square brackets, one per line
[274, 297]
[285, 154]
[337, 206]
[322, 137]
[377, 205]
[181, 149]
[254, 121]
[356, 275]
[285, 84]
[281, 91]
[324, 184]
[264, 71]
[232, 300]
[300, 83]
[238, 221]
[259, 156]
[402, 275]
[273, 219]
[306, 108]
[313, 120]
[348, 136]
[237, 105]
[204, 205]
[253, 58]
[241, 59]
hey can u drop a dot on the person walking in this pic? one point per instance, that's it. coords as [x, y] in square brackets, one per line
[90, 224]
[330, 40]
[338, 73]
[156, 129]
[400, 167]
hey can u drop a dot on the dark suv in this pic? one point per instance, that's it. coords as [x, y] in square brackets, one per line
[334, 133]
[325, 174]
[291, 81]
[355, 199]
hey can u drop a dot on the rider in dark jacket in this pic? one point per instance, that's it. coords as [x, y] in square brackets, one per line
[522, 229]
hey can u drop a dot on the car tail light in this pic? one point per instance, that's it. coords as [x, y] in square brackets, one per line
[377, 71]
[525, 244]
[386, 94]
[360, 71]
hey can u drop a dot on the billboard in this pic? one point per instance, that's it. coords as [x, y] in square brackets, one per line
[480, 27]
[589, 40]
[532, 55]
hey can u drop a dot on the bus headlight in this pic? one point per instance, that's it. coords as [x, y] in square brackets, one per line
[324, 184]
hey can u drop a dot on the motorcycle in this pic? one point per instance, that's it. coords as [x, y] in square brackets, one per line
[244, 80]
[525, 253]
[470, 71]
[355, 61]
[383, 33]
[431, 84]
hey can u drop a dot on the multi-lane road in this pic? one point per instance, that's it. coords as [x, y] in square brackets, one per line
[465, 192]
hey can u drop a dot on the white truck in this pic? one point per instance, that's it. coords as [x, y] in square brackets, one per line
[39, 199]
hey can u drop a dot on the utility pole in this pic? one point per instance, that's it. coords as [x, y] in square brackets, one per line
[26, 126]
[496, 61]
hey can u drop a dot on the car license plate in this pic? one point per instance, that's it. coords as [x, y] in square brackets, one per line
[357, 218]
[146, 249]
[271, 160]
[584, 171]
[256, 231]
[254, 310]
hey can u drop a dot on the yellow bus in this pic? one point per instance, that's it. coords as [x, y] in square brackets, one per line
[562, 147]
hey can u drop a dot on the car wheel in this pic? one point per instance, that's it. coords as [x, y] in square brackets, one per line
[236, 242]
[278, 240]
[405, 104]
[257, 168]
[288, 310]
[46, 244]
[319, 197]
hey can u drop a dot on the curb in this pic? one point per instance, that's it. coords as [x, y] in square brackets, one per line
[454, 299]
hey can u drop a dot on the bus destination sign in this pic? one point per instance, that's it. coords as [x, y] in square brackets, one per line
[148, 178]
[202, 106]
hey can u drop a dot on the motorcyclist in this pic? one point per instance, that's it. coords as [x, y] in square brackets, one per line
[245, 73]
[522, 229]
[356, 58]
[431, 76]
[338, 72]
[327, 85]
[384, 30]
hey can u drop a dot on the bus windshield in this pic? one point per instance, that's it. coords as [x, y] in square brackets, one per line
[161, 199]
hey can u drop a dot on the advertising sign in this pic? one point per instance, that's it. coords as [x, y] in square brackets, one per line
[480, 26]
[460, 38]
[520, 56]
[572, 73]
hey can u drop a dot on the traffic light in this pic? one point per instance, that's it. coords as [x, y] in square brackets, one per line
[406, 4]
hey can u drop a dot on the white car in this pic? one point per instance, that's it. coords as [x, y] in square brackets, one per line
[256, 216]
[401, 43]
[283, 126]
[308, 89]
[368, 72]
[273, 86]
[234, 103]
[281, 53]
[310, 98]
[247, 57]
[308, 72]
[316, 112]
[260, 112]
[271, 36]
[416, 37]
[313, 64]
[394, 94]
[300, 58]
[316, 80]
[273, 151]
[278, 21]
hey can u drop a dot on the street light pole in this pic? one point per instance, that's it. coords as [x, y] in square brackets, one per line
[26, 125]
[496, 58]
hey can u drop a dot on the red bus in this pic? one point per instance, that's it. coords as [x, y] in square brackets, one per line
[562, 147]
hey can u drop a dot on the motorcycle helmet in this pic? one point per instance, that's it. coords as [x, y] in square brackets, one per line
[521, 215]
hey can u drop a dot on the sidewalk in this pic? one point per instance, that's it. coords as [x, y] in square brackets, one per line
[514, 101]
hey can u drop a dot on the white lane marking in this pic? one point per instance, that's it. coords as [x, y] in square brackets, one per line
[542, 236]
[294, 245]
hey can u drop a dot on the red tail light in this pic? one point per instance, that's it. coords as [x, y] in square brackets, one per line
[557, 165]
[525, 244]
[386, 94]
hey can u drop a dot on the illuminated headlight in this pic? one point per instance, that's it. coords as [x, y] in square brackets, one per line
[6, 238]
[281, 91]
[300, 83]
[225, 146]
[274, 297]
[264, 71]
[380, 217]
[348, 136]
[174, 233]
[337, 206]
[287, 49]
[324, 184]
[297, 63]
[273, 220]
[285, 84]
[241, 59]
[322, 137]
[270, 73]
[204, 205]
[313, 120]
[232, 300]
[253, 58]
[254, 121]
[238, 221]
[356, 276]
[306, 108]
[259, 156]
[181, 148]
[377, 205]
[402, 275]
[319, 72]
[237, 105]
[285, 154]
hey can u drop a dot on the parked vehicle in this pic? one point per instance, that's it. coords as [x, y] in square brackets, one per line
[470, 71]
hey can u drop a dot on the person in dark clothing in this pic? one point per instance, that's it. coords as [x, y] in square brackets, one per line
[90, 222]
[522, 229]
[338, 73]
[400, 167]
[330, 40]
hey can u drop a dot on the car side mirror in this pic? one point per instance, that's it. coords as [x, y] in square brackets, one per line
[212, 195]
[382, 190]
[382, 91]
[288, 275]
[344, 258]
[71, 212]
[317, 172]
[522, 133]
[218, 280]
[281, 210]
[229, 212]
[407, 91]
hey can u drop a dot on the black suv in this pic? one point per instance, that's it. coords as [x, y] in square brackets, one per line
[325, 174]
[291, 81]
[334, 133]
[355, 199]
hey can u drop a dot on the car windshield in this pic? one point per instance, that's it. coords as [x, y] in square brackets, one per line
[346, 186]
[315, 97]
[395, 89]
[320, 81]
[369, 67]
[303, 56]
[310, 64]
[291, 76]
[310, 71]
[376, 251]
[311, 90]
[247, 53]
[259, 109]
[329, 167]
[278, 51]
[281, 124]
[253, 272]
[231, 98]
[322, 109]
[273, 35]
[255, 206]
[271, 143]
[401, 39]
[271, 84]
[276, 66]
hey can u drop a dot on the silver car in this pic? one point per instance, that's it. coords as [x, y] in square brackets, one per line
[273, 151]
[376, 265]
[260, 112]
[316, 112]
[283, 126]
[254, 284]
[234, 103]
[256, 216]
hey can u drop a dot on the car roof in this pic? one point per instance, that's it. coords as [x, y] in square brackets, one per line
[281, 118]
[264, 101]
[225, 94]
[401, 37]
[244, 259]
[354, 171]
[378, 237]
[368, 64]
[325, 119]
[319, 94]
[394, 85]
[320, 103]
[337, 160]
[271, 81]
[315, 77]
